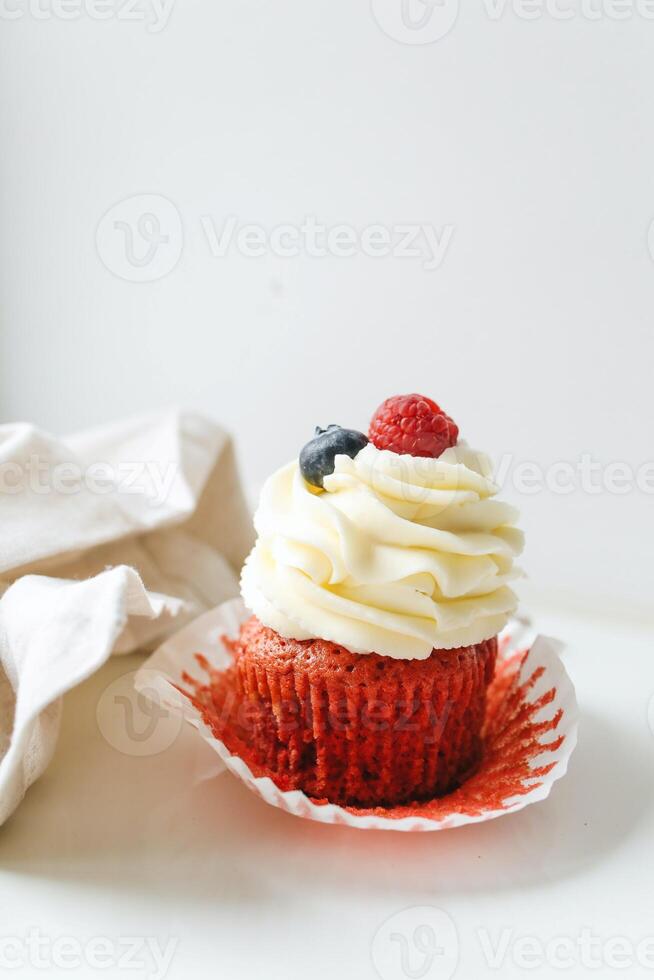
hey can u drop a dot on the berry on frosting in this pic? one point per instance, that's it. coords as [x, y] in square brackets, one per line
[317, 457]
[413, 425]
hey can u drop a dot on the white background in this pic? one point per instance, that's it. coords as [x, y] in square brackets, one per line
[533, 139]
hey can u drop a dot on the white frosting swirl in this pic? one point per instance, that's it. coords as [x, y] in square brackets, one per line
[399, 554]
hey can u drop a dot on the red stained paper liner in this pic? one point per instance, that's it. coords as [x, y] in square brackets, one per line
[530, 729]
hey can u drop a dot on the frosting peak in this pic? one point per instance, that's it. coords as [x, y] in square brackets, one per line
[398, 555]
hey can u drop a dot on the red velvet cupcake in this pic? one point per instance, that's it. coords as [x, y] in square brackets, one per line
[361, 730]
[378, 584]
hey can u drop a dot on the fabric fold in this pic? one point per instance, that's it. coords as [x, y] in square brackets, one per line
[110, 539]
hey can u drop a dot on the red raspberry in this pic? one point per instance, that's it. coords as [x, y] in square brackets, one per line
[414, 425]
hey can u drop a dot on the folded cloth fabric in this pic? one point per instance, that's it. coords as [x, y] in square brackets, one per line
[109, 539]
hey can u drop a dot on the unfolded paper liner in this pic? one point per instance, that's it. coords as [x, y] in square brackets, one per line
[530, 729]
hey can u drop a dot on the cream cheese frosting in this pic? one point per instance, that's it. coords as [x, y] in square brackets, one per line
[399, 554]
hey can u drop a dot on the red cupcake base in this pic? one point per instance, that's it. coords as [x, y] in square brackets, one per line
[529, 731]
[357, 730]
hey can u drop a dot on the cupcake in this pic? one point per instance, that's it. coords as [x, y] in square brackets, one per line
[378, 583]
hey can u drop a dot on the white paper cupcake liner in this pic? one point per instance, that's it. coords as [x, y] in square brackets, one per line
[532, 729]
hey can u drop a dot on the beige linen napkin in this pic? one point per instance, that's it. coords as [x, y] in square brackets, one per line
[109, 539]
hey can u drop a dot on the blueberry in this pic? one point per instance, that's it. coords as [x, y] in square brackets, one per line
[317, 457]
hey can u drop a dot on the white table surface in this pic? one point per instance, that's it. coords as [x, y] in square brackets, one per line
[160, 848]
